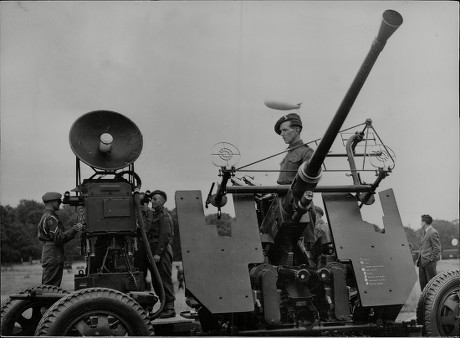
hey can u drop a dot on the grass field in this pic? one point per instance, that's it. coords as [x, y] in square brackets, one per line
[22, 276]
[18, 277]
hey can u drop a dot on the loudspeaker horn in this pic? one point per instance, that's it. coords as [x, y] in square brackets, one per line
[105, 140]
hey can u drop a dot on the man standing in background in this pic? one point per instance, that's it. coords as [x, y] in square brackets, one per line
[430, 250]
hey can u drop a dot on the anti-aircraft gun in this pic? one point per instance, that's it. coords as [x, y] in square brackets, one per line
[262, 281]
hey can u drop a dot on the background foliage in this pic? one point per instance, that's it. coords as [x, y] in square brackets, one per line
[19, 240]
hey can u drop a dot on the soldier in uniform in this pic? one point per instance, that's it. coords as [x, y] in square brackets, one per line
[160, 237]
[289, 127]
[52, 235]
[180, 277]
[141, 259]
[321, 227]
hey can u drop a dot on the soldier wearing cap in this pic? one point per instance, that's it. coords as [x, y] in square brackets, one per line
[289, 127]
[52, 234]
[160, 234]
[321, 227]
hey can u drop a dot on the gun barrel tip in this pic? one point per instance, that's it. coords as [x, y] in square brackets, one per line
[392, 18]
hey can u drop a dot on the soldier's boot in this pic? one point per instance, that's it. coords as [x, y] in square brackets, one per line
[168, 311]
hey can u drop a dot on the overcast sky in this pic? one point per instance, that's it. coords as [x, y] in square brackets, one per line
[192, 74]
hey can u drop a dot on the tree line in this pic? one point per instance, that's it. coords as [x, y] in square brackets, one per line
[19, 240]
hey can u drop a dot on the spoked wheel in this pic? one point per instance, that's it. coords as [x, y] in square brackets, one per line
[439, 306]
[20, 317]
[95, 312]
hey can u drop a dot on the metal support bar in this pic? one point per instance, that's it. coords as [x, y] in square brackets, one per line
[283, 189]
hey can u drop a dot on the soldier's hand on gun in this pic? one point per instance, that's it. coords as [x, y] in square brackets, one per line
[78, 226]
[156, 258]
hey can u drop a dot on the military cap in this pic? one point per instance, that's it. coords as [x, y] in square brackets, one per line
[51, 196]
[319, 210]
[159, 192]
[427, 219]
[293, 117]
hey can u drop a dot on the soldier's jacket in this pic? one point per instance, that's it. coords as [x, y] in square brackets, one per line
[292, 161]
[322, 230]
[51, 230]
[51, 233]
[160, 230]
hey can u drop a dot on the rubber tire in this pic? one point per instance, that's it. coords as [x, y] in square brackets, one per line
[61, 318]
[432, 308]
[12, 311]
[421, 302]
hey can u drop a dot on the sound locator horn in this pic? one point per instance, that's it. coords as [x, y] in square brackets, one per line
[105, 140]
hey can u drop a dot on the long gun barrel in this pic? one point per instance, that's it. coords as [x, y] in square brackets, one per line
[309, 173]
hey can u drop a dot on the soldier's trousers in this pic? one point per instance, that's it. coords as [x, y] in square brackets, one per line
[164, 267]
[53, 264]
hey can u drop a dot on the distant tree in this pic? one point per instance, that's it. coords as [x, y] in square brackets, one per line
[223, 228]
[19, 240]
[447, 231]
[224, 224]
[29, 212]
[27, 215]
[10, 232]
[412, 238]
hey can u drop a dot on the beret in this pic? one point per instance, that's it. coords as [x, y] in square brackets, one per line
[51, 196]
[159, 192]
[293, 117]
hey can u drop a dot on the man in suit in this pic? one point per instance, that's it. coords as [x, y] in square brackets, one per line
[430, 250]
